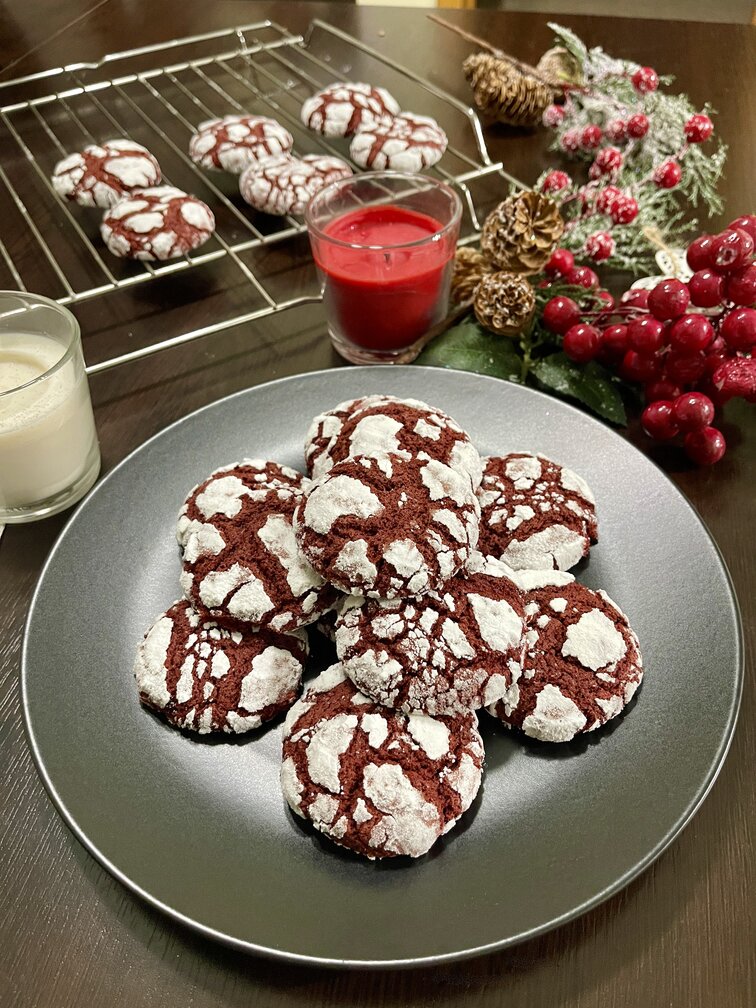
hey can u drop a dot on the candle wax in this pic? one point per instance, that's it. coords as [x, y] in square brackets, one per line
[384, 298]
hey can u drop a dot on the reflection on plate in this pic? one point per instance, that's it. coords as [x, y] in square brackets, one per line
[201, 831]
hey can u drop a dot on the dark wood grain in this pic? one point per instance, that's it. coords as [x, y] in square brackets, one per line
[681, 936]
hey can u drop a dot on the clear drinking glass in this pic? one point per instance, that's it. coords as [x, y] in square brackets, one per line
[49, 455]
[383, 243]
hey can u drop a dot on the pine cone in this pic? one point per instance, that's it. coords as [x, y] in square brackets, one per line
[505, 93]
[522, 232]
[504, 303]
[559, 65]
[470, 266]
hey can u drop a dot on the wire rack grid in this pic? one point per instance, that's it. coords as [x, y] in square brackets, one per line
[259, 67]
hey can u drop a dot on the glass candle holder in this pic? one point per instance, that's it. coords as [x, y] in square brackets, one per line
[383, 244]
[49, 455]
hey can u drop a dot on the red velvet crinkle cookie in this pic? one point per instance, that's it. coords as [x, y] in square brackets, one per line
[388, 527]
[535, 513]
[582, 664]
[235, 142]
[203, 678]
[102, 174]
[326, 625]
[224, 489]
[286, 184]
[409, 143]
[375, 425]
[342, 109]
[160, 223]
[377, 781]
[444, 653]
[244, 566]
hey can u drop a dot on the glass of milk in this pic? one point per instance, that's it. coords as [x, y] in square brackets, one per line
[49, 455]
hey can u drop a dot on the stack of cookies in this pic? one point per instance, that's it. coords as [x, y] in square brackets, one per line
[442, 579]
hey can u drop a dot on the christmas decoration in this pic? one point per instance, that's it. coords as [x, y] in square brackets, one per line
[504, 92]
[521, 233]
[470, 266]
[504, 303]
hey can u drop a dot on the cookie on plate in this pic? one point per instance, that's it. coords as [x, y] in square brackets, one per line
[286, 184]
[386, 526]
[379, 424]
[445, 653]
[206, 679]
[159, 223]
[340, 110]
[377, 781]
[582, 664]
[535, 513]
[225, 488]
[409, 143]
[234, 142]
[244, 567]
[102, 174]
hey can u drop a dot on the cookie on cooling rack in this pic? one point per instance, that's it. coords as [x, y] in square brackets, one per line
[342, 109]
[388, 526]
[377, 781]
[446, 653]
[286, 184]
[203, 678]
[158, 223]
[102, 174]
[535, 513]
[409, 143]
[582, 664]
[234, 142]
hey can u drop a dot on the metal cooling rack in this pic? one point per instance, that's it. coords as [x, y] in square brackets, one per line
[257, 68]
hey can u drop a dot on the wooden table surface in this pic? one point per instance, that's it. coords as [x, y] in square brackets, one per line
[682, 934]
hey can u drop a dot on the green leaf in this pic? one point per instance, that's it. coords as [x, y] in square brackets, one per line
[469, 347]
[589, 383]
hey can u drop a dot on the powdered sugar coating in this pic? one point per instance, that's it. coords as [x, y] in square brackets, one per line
[286, 184]
[204, 678]
[234, 142]
[582, 665]
[377, 425]
[409, 143]
[242, 564]
[101, 174]
[158, 223]
[378, 526]
[374, 780]
[535, 513]
[342, 109]
[445, 653]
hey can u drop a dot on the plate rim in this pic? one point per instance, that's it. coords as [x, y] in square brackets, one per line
[277, 954]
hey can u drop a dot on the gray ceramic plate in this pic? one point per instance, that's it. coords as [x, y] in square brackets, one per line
[200, 829]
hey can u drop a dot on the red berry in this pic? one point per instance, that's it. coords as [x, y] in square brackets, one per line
[717, 396]
[637, 368]
[614, 340]
[737, 377]
[624, 210]
[705, 446]
[699, 252]
[554, 181]
[646, 335]
[590, 137]
[668, 299]
[571, 140]
[560, 313]
[561, 262]
[691, 333]
[658, 421]
[636, 297]
[661, 389]
[738, 329]
[606, 198]
[645, 80]
[741, 286]
[637, 126]
[616, 129]
[684, 369]
[553, 115]
[608, 160]
[582, 276]
[608, 301]
[599, 246]
[693, 410]
[745, 223]
[581, 342]
[706, 288]
[668, 174]
[698, 128]
[731, 250]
